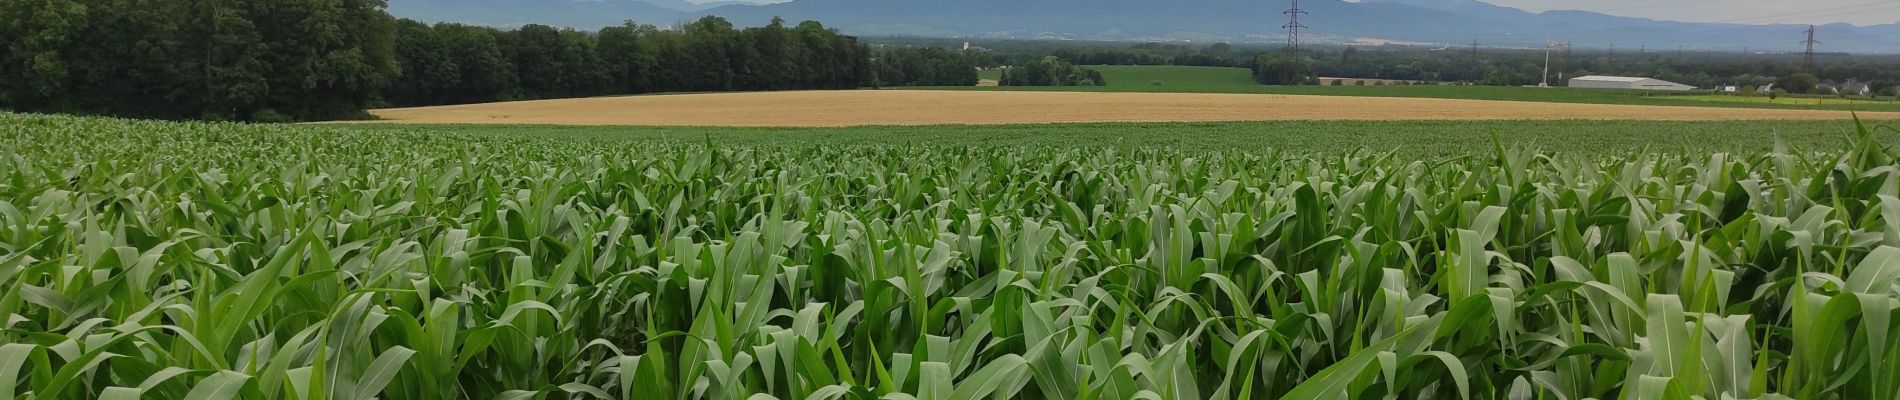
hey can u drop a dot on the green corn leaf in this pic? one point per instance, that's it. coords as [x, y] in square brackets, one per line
[12, 357]
[219, 386]
[120, 393]
[990, 380]
[381, 371]
[1877, 273]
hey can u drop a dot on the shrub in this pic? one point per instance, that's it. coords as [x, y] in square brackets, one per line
[1281, 69]
[269, 116]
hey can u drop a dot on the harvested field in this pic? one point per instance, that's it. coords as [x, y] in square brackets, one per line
[917, 107]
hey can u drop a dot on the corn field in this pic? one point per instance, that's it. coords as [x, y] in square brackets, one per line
[208, 261]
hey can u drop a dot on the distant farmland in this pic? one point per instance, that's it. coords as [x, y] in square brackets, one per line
[1177, 79]
[916, 107]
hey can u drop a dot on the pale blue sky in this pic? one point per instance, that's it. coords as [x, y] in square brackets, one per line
[1859, 12]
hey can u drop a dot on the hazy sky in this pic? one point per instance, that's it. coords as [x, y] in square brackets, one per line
[1859, 12]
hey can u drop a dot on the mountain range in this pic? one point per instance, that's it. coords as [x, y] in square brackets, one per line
[1442, 22]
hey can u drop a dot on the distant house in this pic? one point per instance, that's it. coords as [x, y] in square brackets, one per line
[1851, 88]
[1765, 89]
[1624, 82]
[1728, 89]
[1857, 88]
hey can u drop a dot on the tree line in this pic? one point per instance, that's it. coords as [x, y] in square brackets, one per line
[1507, 67]
[923, 66]
[1483, 66]
[1214, 55]
[299, 60]
[1013, 52]
[454, 63]
[1051, 71]
[196, 59]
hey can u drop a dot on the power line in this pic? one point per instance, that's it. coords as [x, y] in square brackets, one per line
[1293, 26]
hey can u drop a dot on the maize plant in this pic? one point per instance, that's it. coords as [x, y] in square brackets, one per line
[215, 261]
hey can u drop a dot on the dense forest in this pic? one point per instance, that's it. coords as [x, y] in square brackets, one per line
[454, 63]
[923, 66]
[298, 60]
[186, 59]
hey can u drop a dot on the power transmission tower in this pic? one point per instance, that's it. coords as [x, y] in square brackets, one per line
[1807, 59]
[1548, 46]
[1293, 26]
[1474, 50]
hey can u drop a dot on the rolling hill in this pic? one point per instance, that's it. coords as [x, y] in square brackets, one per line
[1335, 21]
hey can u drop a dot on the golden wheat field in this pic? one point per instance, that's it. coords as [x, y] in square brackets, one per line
[920, 107]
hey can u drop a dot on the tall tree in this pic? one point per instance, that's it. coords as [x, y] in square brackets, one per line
[1801, 83]
[710, 42]
[535, 51]
[629, 57]
[41, 36]
[327, 58]
[233, 65]
[931, 66]
[428, 70]
[483, 70]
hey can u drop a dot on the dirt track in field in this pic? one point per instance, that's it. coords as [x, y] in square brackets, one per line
[918, 107]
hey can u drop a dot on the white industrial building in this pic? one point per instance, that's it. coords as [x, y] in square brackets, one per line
[1624, 82]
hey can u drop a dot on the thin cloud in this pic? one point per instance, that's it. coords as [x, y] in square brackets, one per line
[1858, 12]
